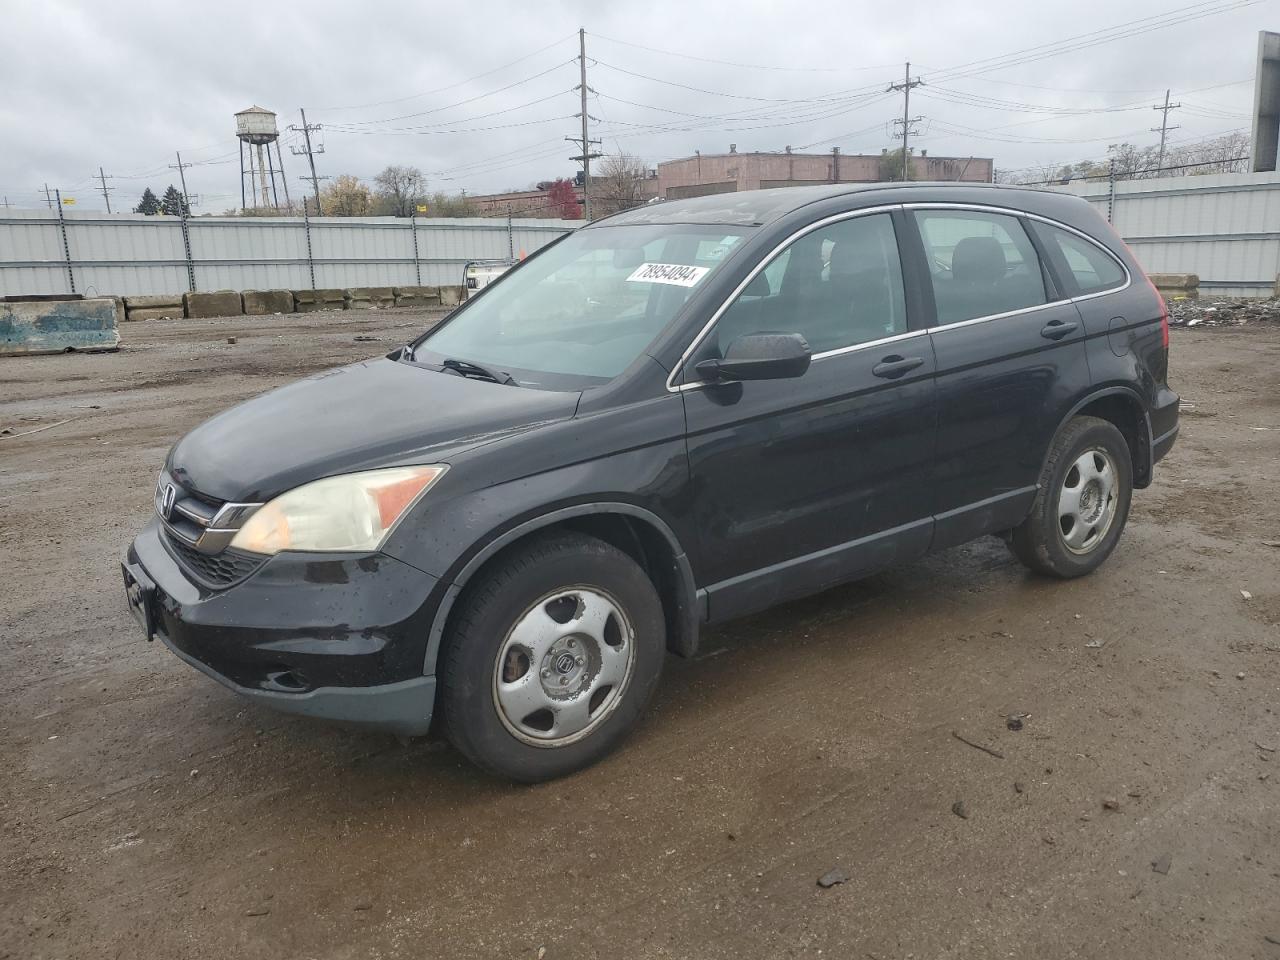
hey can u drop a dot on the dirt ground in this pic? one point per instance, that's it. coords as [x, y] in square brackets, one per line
[149, 813]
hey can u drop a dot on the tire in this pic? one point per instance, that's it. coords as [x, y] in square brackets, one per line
[1078, 514]
[551, 659]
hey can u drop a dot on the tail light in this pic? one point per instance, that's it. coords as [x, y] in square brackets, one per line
[1164, 307]
[1164, 313]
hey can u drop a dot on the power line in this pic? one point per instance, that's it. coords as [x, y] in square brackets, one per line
[452, 86]
[460, 103]
[346, 127]
[728, 63]
[1143, 25]
[1051, 48]
[417, 131]
[721, 93]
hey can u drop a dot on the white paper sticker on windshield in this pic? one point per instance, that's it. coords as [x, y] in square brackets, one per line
[672, 273]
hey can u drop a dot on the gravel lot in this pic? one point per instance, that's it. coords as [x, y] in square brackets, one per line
[149, 813]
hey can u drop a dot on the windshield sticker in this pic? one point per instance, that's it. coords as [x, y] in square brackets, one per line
[673, 273]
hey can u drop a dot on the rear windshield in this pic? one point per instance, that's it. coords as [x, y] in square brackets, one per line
[582, 311]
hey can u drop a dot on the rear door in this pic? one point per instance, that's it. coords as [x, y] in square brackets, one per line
[1010, 352]
[802, 483]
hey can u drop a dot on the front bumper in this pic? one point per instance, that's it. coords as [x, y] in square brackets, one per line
[342, 637]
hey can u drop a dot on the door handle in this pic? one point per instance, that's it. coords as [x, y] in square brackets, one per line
[894, 366]
[1057, 329]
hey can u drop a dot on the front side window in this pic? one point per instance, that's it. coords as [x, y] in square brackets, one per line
[581, 312]
[837, 286]
[1092, 269]
[980, 263]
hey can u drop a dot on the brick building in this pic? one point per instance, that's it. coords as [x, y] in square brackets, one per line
[534, 203]
[704, 174]
[520, 203]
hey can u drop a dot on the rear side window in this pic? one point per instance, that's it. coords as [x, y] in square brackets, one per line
[981, 264]
[1094, 270]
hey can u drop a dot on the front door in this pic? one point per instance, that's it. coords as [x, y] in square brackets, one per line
[802, 483]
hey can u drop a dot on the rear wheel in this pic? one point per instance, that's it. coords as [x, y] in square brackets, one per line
[552, 658]
[1083, 502]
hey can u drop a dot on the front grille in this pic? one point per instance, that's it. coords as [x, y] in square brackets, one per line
[215, 570]
[198, 523]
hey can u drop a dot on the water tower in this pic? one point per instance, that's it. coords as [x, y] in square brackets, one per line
[256, 129]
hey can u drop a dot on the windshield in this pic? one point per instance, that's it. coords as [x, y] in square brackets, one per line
[580, 312]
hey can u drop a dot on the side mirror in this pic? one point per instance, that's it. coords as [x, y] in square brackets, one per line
[759, 356]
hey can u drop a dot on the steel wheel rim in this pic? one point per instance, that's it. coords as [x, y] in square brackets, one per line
[1087, 501]
[564, 666]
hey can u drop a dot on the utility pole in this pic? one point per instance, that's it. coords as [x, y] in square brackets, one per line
[1164, 127]
[182, 178]
[907, 120]
[305, 130]
[105, 189]
[585, 142]
[48, 197]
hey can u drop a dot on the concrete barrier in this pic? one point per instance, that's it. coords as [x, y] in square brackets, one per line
[309, 301]
[417, 296]
[56, 326]
[450, 296]
[370, 298]
[155, 307]
[1176, 284]
[262, 302]
[220, 303]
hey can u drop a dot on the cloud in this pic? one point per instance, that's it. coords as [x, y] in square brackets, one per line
[127, 84]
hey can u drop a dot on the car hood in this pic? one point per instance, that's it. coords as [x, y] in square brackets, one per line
[372, 414]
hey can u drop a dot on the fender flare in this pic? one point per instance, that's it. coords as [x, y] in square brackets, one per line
[687, 601]
[1128, 393]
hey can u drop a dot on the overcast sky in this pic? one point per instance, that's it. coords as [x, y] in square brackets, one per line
[124, 84]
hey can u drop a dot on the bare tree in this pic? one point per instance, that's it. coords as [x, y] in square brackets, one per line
[618, 185]
[442, 205]
[400, 190]
[1226, 154]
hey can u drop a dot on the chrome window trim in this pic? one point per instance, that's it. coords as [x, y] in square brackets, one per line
[758, 268]
[1012, 212]
[886, 208]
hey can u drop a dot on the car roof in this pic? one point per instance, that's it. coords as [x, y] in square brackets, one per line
[761, 207]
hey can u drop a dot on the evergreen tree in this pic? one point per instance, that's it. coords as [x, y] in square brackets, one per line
[149, 204]
[172, 204]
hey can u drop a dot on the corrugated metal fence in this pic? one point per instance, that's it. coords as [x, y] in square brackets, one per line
[132, 254]
[1223, 227]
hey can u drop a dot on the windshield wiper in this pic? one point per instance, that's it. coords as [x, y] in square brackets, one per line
[465, 368]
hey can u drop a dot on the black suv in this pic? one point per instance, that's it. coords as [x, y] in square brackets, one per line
[674, 416]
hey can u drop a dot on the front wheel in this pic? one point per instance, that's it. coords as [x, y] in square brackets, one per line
[552, 658]
[1082, 503]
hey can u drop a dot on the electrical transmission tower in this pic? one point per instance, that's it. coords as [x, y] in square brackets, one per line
[585, 141]
[306, 130]
[103, 178]
[907, 120]
[1164, 127]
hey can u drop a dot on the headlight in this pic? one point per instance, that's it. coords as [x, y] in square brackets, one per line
[353, 512]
